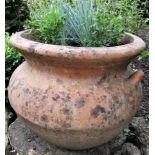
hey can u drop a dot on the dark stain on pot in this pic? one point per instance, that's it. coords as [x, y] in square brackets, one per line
[97, 110]
[70, 76]
[80, 102]
[68, 117]
[18, 95]
[37, 106]
[103, 97]
[115, 99]
[51, 110]
[105, 118]
[55, 98]
[92, 124]
[91, 90]
[115, 76]
[58, 80]
[94, 51]
[99, 126]
[66, 125]
[87, 95]
[35, 92]
[66, 99]
[78, 93]
[35, 117]
[46, 51]
[26, 103]
[115, 117]
[44, 118]
[31, 48]
[111, 107]
[100, 81]
[127, 96]
[62, 93]
[109, 112]
[122, 120]
[66, 111]
[11, 90]
[48, 89]
[70, 51]
[44, 97]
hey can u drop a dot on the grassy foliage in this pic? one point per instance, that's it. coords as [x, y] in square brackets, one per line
[79, 24]
[84, 23]
[99, 24]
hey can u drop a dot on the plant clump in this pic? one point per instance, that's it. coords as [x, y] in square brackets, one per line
[89, 23]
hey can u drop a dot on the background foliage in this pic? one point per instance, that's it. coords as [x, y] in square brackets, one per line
[16, 12]
[144, 6]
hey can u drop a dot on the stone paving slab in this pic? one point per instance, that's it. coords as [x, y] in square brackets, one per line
[25, 142]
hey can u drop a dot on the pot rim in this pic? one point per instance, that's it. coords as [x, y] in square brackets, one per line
[133, 48]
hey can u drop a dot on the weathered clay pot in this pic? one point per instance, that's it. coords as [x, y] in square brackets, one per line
[76, 97]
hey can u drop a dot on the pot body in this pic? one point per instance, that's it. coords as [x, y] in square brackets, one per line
[74, 106]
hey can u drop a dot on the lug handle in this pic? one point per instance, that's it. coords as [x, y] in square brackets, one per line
[136, 77]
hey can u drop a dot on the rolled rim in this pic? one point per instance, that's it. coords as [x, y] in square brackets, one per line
[135, 46]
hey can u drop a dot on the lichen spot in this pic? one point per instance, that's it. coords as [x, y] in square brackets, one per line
[115, 99]
[44, 118]
[97, 111]
[26, 103]
[80, 102]
[55, 98]
[66, 111]
[66, 125]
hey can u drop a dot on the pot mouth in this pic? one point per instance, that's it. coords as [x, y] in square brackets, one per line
[133, 46]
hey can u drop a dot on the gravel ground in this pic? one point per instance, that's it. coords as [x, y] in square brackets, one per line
[144, 65]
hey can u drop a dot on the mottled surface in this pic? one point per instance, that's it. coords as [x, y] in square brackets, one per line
[76, 99]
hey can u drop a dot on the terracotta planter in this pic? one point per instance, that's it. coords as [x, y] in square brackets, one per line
[76, 97]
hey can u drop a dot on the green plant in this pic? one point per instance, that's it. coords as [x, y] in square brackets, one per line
[84, 23]
[9, 115]
[99, 23]
[46, 22]
[12, 60]
[79, 24]
[143, 55]
[146, 116]
[16, 12]
[128, 132]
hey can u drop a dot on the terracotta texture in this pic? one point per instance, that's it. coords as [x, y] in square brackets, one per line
[76, 97]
